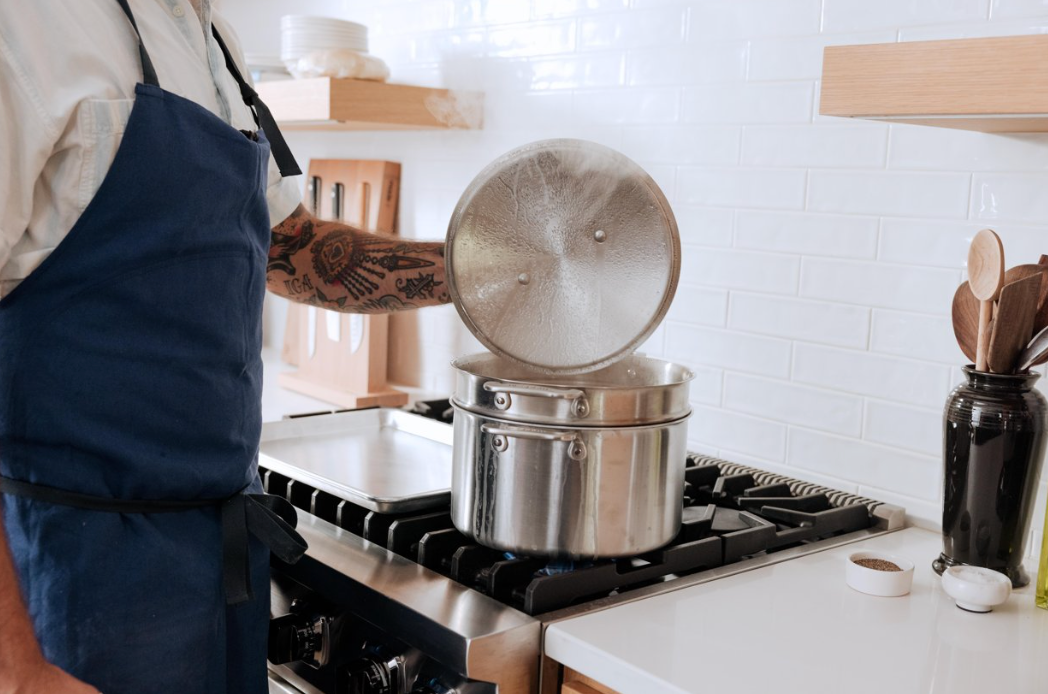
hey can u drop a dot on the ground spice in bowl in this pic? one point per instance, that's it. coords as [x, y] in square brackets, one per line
[877, 564]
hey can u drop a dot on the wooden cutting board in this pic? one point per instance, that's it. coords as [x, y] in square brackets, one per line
[342, 358]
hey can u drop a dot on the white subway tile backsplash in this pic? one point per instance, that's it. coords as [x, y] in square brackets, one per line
[750, 435]
[762, 272]
[915, 335]
[625, 106]
[565, 72]
[699, 306]
[820, 255]
[889, 193]
[879, 284]
[705, 388]
[801, 58]
[531, 39]
[815, 147]
[636, 29]
[794, 404]
[866, 463]
[704, 226]
[798, 319]
[948, 149]
[748, 18]
[975, 30]
[716, 145]
[807, 234]
[489, 13]
[789, 102]
[560, 8]
[728, 350]
[922, 513]
[889, 378]
[1018, 8]
[912, 428]
[689, 64]
[1019, 196]
[768, 188]
[858, 15]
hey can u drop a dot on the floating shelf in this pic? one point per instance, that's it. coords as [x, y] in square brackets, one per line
[992, 84]
[325, 103]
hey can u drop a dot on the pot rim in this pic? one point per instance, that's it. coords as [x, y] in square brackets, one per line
[467, 365]
[572, 425]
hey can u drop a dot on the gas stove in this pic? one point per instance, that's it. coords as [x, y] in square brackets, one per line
[403, 603]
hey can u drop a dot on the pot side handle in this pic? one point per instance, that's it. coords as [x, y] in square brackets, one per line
[503, 391]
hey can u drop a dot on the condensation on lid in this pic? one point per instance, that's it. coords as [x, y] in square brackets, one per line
[562, 255]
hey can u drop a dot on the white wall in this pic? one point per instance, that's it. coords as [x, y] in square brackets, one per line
[820, 255]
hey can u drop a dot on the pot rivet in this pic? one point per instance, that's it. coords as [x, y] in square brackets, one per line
[577, 450]
[599, 236]
[523, 278]
[581, 408]
[502, 401]
[499, 443]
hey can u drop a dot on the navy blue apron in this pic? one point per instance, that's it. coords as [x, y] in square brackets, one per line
[130, 386]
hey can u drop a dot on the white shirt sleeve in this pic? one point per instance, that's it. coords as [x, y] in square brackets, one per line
[27, 138]
[282, 194]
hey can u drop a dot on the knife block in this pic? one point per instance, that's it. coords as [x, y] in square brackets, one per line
[342, 358]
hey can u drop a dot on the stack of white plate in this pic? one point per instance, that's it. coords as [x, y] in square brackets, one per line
[301, 35]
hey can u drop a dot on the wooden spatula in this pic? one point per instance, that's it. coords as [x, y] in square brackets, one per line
[965, 313]
[1013, 324]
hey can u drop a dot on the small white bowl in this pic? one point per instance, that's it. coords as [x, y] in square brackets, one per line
[976, 589]
[888, 584]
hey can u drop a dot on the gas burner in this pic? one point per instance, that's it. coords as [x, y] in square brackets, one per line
[730, 513]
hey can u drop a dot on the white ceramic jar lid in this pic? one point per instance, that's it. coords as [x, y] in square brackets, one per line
[563, 256]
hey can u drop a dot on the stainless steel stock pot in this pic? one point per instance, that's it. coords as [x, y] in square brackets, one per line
[562, 257]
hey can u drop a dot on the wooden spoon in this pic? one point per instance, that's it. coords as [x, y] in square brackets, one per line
[985, 277]
[965, 313]
[1040, 321]
[1013, 324]
[1034, 352]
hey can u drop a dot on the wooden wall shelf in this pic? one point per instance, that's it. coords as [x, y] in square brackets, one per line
[325, 103]
[992, 84]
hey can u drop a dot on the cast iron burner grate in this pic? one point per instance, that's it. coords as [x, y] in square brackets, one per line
[731, 512]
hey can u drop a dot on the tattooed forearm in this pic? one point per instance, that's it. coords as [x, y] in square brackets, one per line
[335, 266]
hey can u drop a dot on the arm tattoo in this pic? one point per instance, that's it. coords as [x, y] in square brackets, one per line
[333, 265]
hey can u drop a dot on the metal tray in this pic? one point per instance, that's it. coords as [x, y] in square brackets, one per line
[384, 459]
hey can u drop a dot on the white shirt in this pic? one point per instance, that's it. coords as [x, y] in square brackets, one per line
[68, 70]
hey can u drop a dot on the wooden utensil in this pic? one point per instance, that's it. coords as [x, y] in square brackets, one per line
[965, 314]
[1040, 321]
[985, 277]
[1035, 351]
[1013, 324]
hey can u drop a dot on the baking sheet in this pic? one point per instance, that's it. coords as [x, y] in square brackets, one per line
[384, 459]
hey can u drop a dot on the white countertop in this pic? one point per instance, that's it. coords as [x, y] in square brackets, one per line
[796, 627]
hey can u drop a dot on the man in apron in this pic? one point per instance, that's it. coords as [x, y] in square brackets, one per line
[137, 538]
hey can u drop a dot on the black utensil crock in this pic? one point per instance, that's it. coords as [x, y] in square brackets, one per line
[993, 444]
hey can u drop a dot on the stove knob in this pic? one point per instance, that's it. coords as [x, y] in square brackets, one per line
[295, 637]
[370, 676]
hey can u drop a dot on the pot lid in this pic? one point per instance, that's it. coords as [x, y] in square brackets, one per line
[562, 255]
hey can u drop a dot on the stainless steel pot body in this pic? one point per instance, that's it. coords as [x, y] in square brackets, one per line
[568, 492]
[634, 391]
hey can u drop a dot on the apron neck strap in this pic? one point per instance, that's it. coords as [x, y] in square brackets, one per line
[263, 118]
[148, 71]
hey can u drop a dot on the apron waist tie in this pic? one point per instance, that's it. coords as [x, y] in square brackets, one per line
[270, 518]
